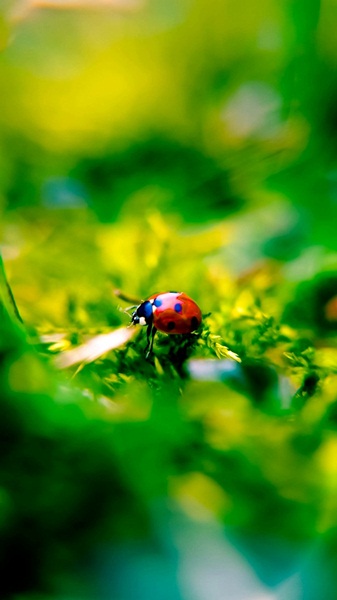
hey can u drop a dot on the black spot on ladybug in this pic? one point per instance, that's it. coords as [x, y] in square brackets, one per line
[171, 325]
[157, 302]
[178, 307]
[194, 323]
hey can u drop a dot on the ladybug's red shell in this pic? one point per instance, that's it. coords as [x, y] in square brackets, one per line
[175, 312]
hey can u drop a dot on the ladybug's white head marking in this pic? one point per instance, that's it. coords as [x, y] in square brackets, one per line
[143, 314]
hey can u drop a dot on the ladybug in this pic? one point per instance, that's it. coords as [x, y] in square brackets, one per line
[170, 312]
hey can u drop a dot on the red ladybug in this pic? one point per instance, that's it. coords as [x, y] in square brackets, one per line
[170, 312]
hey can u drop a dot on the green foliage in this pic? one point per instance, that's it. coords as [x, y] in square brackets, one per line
[185, 148]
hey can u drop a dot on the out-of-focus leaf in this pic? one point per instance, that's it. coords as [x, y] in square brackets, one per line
[94, 348]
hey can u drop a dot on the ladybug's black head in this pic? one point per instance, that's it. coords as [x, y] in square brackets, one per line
[143, 314]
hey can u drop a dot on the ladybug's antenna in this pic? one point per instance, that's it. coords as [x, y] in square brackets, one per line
[126, 310]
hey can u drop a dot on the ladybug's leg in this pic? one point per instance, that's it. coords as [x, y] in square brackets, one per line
[151, 332]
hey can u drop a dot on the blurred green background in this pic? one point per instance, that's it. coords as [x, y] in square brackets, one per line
[148, 146]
